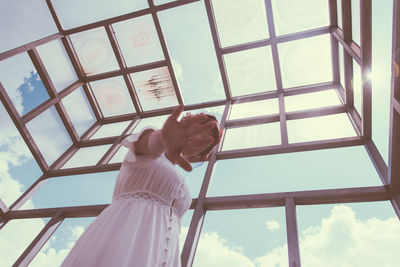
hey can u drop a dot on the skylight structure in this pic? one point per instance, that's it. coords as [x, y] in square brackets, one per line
[292, 83]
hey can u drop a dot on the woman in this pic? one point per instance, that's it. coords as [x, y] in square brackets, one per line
[141, 226]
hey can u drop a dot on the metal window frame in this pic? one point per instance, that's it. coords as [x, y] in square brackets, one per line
[340, 39]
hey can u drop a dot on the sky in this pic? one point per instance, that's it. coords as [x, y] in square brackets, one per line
[360, 234]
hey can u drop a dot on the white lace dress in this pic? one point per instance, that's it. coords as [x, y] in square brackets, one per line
[141, 227]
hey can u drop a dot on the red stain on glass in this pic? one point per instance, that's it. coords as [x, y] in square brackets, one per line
[139, 38]
[95, 54]
[111, 97]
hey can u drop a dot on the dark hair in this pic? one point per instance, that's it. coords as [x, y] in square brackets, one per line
[217, 133]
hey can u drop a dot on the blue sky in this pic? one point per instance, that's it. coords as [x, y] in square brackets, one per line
[254, 237]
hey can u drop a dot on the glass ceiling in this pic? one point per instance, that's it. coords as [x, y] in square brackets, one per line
[281, 76]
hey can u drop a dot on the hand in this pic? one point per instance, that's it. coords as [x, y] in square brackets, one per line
[189, 136]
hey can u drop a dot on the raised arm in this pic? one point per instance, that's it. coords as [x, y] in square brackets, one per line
[176, 136]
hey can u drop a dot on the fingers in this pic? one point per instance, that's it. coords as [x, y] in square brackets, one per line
[198, 118]
[184, 163]
[176, 112]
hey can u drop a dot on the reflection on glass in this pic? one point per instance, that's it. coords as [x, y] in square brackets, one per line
[16, 236]
[187, 33]
[49, 134]
[252, 237]
[119, 156]
[86, 156]
[111, 129]
[355, 21]
[154, 88]
[56, 249]
[112, 96]
[337, 232]
[74, 13]
[255, 108]
[294, 16]
[138, 40]
[308, 170]
[250, 71]
[75, 190]
[94, 51]
[82, 118]
[57, 64]
[341, 66]
[320, 128]
[22, 83]
[357, 87]
[240, 21]
[306, 61]
[252, 136]
[312, 100]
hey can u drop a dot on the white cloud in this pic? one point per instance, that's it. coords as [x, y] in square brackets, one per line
[272, 225]
[49, 256]
[340, 240]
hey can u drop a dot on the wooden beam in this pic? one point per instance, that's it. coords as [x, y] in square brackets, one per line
[218, 51]
[23, 131]
[39, 241]
[297, 147]
[29, 46]
[196, 224]
[291, 231]
[366, 61]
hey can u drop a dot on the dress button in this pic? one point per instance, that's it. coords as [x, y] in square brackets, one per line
[166, 250]
[168, 238]
[170, 219]
[164, 263]
[169, 228]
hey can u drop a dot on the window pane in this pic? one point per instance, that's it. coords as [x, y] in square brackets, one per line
[250, 71]
[24, 22]
[75, 190]
[194, 179]
[111, 129]
[382, 15]
[138, 41]
[355, 20]
[294, 16]
[58, 246]
[49, 134]
[312, 100]
[187, 34]
[22, 83]
[338, 232]
[16, 236]
[357, 87]
[339, 13]
[57, 64]
[240, 21]
[112, 96]
[309, 170]
[255, 108]
[94, 51]
[306, 61]
[155, 89]
[320, 128]
[154, 122]
[82, 118]
[74, 13]
[252, 237]
[86, 156]
[252, 136]
[341, 66]
[119, 156]
[18, 168]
